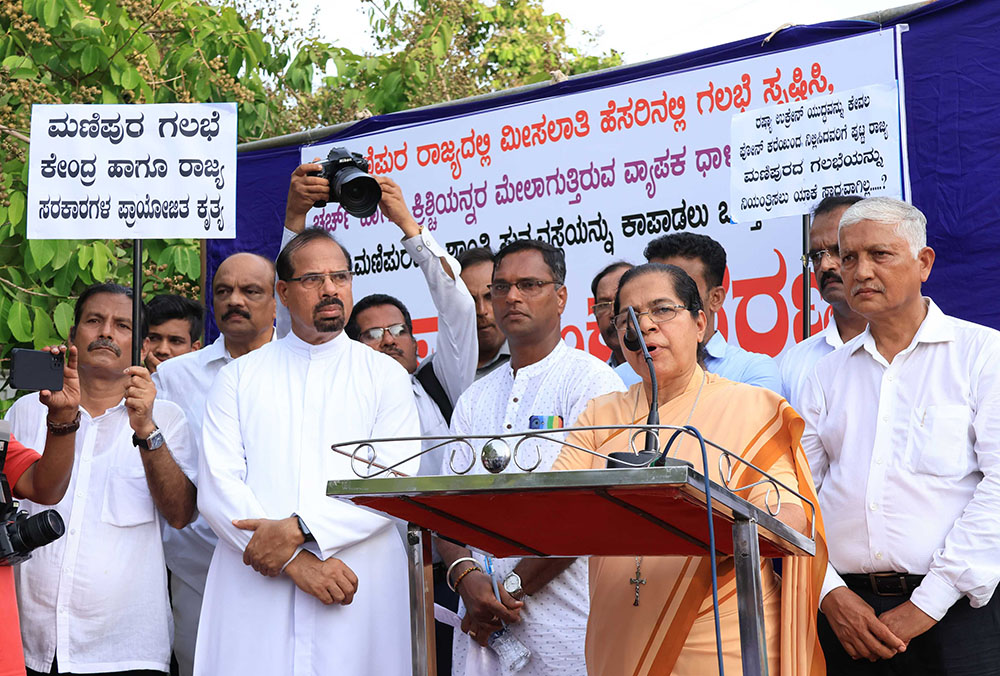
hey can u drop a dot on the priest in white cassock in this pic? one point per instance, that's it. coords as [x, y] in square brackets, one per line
[301, 583]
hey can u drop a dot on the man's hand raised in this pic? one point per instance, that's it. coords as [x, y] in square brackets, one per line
[394, 207]
[303, 191]
[63, 404]
[863, 635]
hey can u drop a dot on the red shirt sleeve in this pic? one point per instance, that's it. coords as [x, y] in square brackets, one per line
[19, 458]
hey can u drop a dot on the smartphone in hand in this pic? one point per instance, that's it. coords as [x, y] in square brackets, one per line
[36, 370]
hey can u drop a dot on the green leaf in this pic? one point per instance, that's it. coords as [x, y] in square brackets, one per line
[15, 212]
[130, 78]
[86, 27]
[63, 251]
[63, 318]
[90, 58]
[44, 334]
[50, 13]
[84, 255]
[19, 322]
[42, 251]
[100, 263]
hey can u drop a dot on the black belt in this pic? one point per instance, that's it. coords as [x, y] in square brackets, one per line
[884, 584]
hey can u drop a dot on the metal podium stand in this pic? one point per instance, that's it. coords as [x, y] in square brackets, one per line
[656, 511]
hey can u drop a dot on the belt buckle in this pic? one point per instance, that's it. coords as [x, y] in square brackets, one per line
[898, 577]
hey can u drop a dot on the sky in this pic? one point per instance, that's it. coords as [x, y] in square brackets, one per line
[646, 29]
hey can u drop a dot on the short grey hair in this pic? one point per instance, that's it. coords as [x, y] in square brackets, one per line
[910, 222]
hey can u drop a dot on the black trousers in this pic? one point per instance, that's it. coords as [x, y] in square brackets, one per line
[966, 642]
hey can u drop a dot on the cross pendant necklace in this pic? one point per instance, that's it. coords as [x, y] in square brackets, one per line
[637, 580]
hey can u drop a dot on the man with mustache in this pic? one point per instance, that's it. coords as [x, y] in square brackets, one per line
[545, 385]
[300, 583]
[824, 256]
[477, 273]
[95, 600]
[243, 306]
[903, 437]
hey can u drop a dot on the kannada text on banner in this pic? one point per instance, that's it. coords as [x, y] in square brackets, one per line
[788, 156]
[600, 173]
[132, 171]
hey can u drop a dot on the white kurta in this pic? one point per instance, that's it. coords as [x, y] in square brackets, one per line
[269, 422]
[554, 620]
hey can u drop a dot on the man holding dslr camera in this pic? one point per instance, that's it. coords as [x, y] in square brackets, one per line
[42, 479]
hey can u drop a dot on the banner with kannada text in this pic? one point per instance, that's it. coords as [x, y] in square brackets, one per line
[600, 173]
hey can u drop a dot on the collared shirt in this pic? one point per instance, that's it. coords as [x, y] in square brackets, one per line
[550, 393]
[798, 361]
[501, 357]
[186, 381]
[731, 362]
[906, 459]
[97, 597]
[457, 346]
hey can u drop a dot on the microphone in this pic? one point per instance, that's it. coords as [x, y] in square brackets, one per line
[633, 341]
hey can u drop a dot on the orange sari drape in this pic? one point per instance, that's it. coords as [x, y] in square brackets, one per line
[670, 628]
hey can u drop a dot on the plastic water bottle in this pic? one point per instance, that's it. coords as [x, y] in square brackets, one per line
[513, 654]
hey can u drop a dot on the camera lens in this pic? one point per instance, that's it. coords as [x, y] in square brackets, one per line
[357, 191]
[35, 531]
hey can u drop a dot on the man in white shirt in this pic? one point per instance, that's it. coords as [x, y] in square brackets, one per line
[546, 384]
[903, 437]
[290, 559]
[477, 273]
[704, 260]
[798, 361]
[243, 305]
[95, 600]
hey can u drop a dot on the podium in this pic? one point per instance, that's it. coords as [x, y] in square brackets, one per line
[653, 511]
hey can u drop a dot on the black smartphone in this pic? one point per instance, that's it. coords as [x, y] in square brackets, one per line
[36, 370]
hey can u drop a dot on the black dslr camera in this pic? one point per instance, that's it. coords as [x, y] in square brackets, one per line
[20, 534]
[350, 183]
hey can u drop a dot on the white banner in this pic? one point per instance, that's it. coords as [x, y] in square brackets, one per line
[600, 173]
[149, 171]
[786, 157]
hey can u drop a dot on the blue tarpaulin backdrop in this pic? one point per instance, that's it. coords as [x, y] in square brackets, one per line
[951, 64]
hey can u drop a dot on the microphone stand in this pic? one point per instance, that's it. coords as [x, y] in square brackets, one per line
[650, 453]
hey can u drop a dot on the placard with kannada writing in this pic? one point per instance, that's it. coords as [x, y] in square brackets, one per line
[164, 170]
[788, 156]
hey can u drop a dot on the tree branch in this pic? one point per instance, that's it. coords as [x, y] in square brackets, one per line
[16, 134]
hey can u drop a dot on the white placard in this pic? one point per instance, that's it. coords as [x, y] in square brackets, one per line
[789, 156]
[599, 173]
[148, 171]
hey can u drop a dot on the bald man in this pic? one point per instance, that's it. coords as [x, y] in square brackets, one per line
[243, 305]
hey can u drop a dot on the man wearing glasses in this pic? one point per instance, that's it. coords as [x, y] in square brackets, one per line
[545, 385]
[604, 287]
[824, 257]
[280, 595]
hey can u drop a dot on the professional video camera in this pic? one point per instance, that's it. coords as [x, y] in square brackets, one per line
[20, 534]
[350, 183]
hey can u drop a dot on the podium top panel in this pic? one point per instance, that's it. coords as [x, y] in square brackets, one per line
[656, 511]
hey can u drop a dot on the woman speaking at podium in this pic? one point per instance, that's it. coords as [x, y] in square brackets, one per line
[654, 615]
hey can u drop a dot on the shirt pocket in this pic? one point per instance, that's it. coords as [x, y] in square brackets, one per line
[127, 501]
[940, 440]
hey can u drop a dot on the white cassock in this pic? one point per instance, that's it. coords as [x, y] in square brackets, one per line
[269, 422]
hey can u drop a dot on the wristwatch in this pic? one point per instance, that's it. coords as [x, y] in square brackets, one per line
[512, 585]
[306, 533]
[150, 443]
